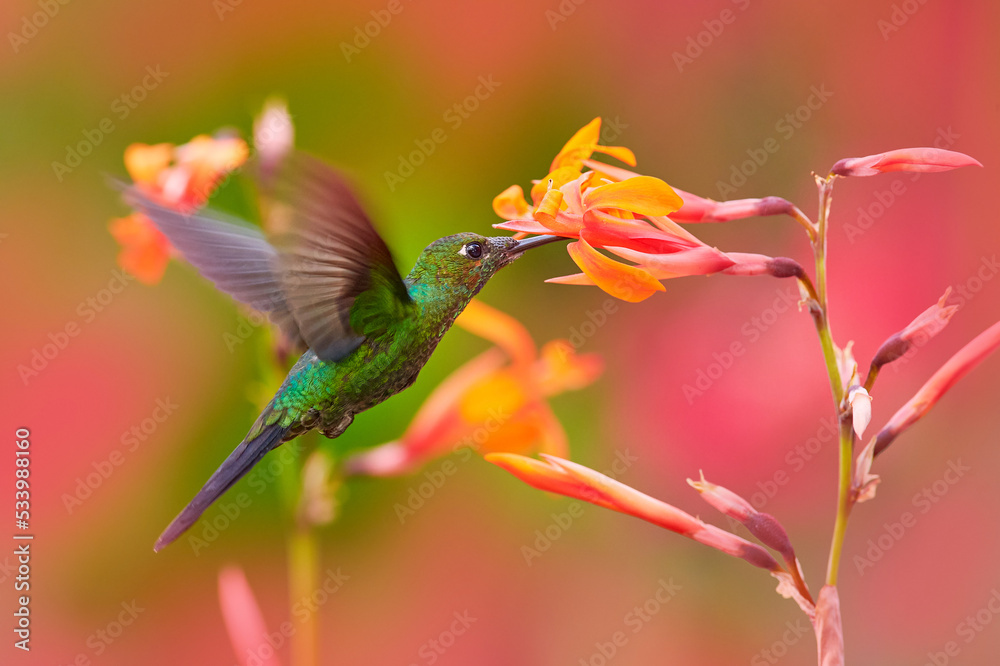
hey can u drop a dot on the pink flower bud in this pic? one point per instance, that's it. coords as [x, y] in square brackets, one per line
[699, 209]
[760, 264]
[928, 323]
[763, 526]
[906, 159]
[567, 478]
[954, 369]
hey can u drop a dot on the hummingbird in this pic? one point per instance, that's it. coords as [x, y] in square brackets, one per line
[329, 284]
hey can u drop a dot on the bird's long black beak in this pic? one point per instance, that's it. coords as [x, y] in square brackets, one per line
[534, 241]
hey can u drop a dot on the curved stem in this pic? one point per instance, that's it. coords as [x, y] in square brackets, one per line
[805, 222]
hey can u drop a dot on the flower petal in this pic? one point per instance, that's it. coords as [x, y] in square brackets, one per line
[620, 153]
[145, 250]
[861, 408]
[548, 207]
[703, 260]
[499, 328]
[602, 229]
[864, 483]
[579, 146]
[905, 159]
[560, 368]
[612, 172]
[144, 162]
[643, 195]
[555, 180]
[528, 226]
[628, 283]
[511, 204]
[580, 279]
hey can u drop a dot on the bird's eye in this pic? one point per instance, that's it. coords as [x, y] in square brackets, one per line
[474, 250]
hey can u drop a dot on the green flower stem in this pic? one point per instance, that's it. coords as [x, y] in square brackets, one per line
[303, 559]
[844, 502]
[820, 311]
[822, 319]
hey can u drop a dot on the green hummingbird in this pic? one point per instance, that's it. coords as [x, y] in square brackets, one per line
[330, 285]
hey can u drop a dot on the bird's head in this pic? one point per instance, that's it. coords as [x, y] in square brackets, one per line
[467, 261]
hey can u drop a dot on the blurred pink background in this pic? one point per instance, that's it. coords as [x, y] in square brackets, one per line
[884, 84]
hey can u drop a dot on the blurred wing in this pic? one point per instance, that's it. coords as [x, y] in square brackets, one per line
[337, 273]
[232, 254]
[332, 283]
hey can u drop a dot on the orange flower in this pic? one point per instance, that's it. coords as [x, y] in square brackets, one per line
[625, 213]
[145, 250]
[495, 402]
[181, 177]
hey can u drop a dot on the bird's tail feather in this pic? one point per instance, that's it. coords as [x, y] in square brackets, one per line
[235, 467]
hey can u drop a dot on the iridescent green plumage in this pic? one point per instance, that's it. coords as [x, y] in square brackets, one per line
[332, 287]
